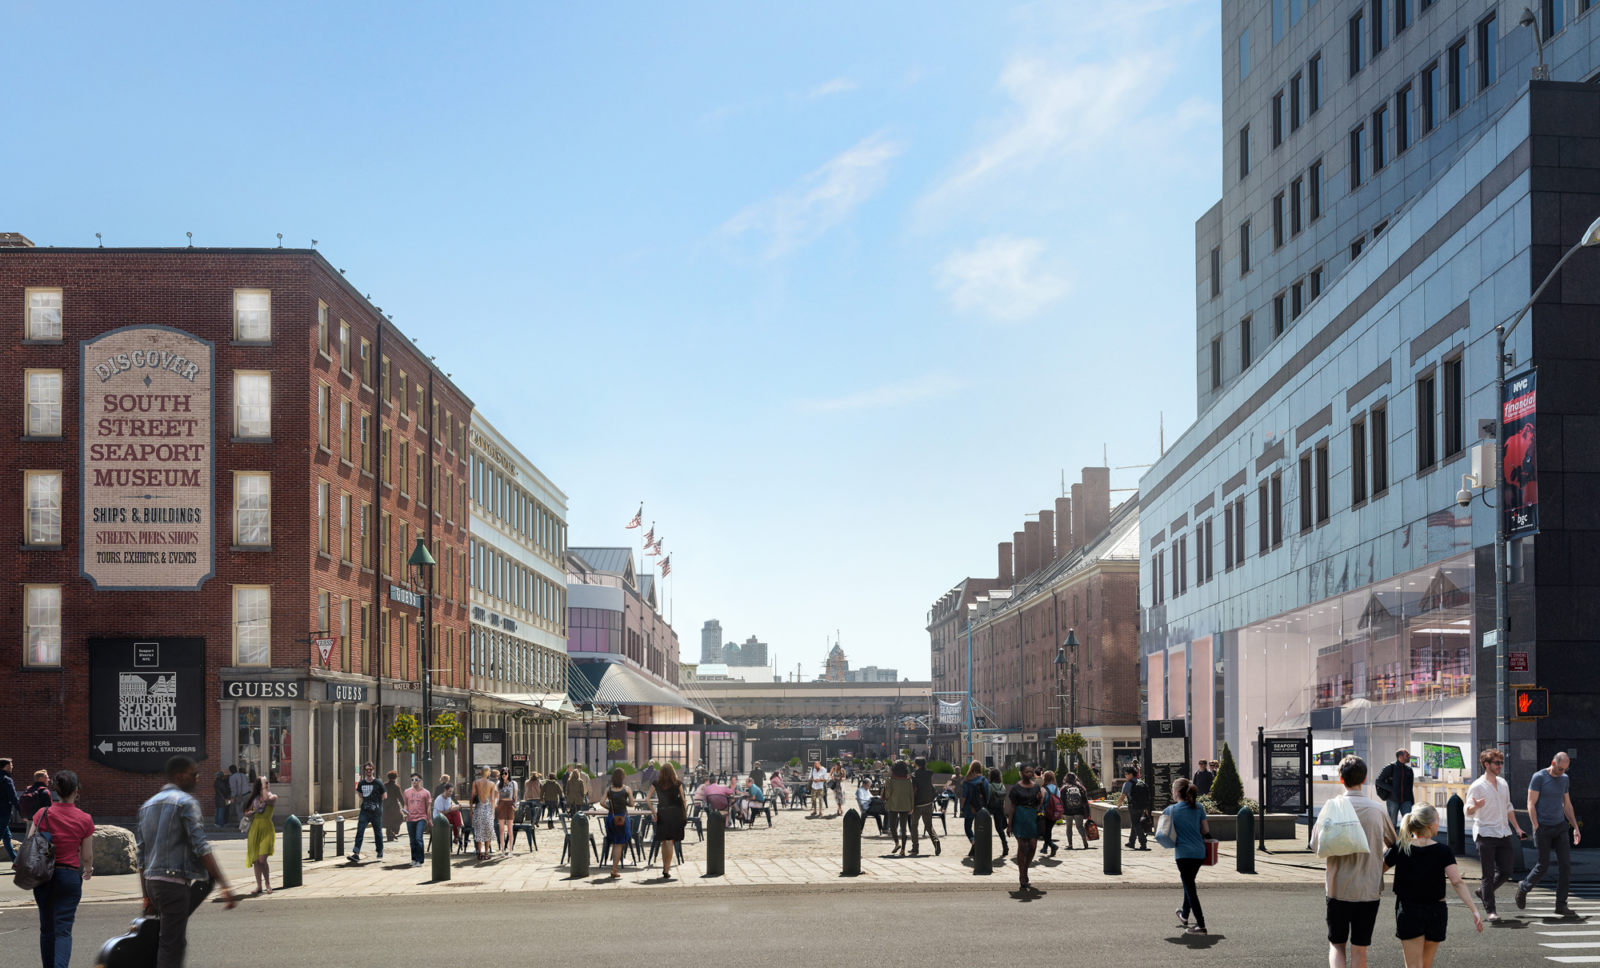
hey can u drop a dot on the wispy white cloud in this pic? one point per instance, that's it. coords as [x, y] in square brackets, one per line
[819, 201]
[1001, 277]
[927, 387]
[838, 85]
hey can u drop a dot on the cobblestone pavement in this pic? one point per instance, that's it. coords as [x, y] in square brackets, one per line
[793, 851]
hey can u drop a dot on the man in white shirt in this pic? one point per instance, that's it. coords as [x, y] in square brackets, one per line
[1355, 881]
[1493, 820]
[819, 788]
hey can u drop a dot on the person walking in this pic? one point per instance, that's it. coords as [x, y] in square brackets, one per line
[1396, 786]
[576, 790]
[37, 795]
[414, 803]
[9, 801]
[899, 797]
[922, 807]
[619, 826]
[1554, 826]
[1047, 823]
[1421, 868]
[1137, 796]
[371, 794]
[670, 812]
[1203, 777]
[550, 792]
[1354, 882]
[974, 797]
[1495, 830]
[758, 776]
[819, 790]
[1189, 832]
[1024, 808]
[393, 813]
[238, 791]
[176, 864]
[1075, 808]
[484, 795]
[71, 833]
[261, 838]
[997, 808]
[221, 795]
[505, 811]
[836, 785]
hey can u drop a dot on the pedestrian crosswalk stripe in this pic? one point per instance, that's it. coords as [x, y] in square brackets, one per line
[1570, 944]
[1575, 959]
[1570, 934]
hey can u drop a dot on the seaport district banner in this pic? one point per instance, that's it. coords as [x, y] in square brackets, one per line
[147, 409]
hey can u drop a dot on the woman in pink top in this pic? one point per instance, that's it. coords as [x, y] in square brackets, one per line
[71, 832]
[415, 802]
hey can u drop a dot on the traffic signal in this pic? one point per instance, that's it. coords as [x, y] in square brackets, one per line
[1529, 702]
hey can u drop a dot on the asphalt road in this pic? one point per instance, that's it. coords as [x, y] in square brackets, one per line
[1251, 927]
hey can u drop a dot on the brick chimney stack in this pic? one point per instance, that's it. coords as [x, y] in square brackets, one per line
[1005, 563]
[1019, 547]
[1063, 527]
[1097, 498]
[1047, 538]
[1077, 518]
[1030, 530]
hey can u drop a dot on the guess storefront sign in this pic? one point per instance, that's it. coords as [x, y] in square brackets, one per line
[263, 689]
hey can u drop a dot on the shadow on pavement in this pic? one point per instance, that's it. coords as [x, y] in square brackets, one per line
[1196, 940]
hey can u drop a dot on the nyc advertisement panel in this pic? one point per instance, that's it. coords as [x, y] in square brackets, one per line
[1519, 492]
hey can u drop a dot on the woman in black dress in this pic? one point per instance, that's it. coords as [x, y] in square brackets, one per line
[671, 813]
[619, 826]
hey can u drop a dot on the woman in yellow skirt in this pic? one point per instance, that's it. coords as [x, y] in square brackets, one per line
[261, 837]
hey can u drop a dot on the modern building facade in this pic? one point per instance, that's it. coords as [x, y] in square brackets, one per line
[223, 459]
[1394, 189]
[518, 548]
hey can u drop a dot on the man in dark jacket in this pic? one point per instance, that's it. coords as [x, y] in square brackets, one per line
[922, 810]
[1395, 786]
[8, 803]
[1203, 777]
[221, 796]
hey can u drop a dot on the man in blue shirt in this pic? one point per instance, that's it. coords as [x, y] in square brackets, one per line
[1554, 825]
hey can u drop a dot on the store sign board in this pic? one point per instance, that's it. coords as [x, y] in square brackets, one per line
[488, 747]
[342, 692]
[1166, 758]
[1287, 768]
[146, 464]
[263, 689]
[147, 701]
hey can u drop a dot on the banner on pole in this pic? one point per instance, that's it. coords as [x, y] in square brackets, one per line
[1519, 492]
[949, 712]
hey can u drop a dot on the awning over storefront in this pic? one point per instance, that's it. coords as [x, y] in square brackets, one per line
[551, 702]
[614, 684]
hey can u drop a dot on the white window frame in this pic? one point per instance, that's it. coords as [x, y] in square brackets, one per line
[322, 516]
[239, 316]
[30, 319]
[33, 407]
[239, 376]
[242, 614]
[28, 509]
[344, 346]
[240, 510]
[322, 328]
[35, 604]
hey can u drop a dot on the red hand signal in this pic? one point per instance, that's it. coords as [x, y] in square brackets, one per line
[1524, 703]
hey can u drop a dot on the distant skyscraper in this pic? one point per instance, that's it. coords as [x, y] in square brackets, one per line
[751, 653]
[711, 642]
[838, 667]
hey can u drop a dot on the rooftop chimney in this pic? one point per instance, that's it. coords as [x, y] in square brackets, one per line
[1030, 530]
[1063, 527]
[1005, 563]
[1097, 499]
[14, 240]
[1047, 537]
[1077, 518]
[1019, 548]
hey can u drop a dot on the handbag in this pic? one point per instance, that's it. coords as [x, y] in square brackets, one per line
[1339, 830]
[1211, 852]
[1164, 833]
[36, 857]
[1091, 831]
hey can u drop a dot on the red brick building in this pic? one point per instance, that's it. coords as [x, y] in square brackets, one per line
[222, 458]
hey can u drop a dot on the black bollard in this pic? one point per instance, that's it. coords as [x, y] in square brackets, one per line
[1111, 841]
[982, 843]
[338, 836]
[716, 841]
[578, 845]
[1244, 840]
[291, 851]
[853, 822]
[1455, 813]
[441, 849]
[314, 852]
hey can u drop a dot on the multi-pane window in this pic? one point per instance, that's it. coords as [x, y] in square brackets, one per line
[252, 404]
[1358, 148]
[385, 390]
[322, 327]
[44, 314]
[1379, 27]
[365, 524]
[1380, 450]
[1295, 84]
[1380, 128]
[1488, 63]
[1277, 221]
[365, 428]
[1245, 355]
[1216, 363]
[1402, 15]
[41, 625]
[42, 523]
[1216, 272]
[344, 430]
[1402, 119]
[366, 362]
[404, 395]
[1238, 531]
[1244, 247]
[252, 508]
[1315, 282]
[322, 516]
[1277, 509]
[1554, 17]
[1323, 474]
[1314, 83]
[344, 527]
[1454, 404]
[1306, 492]
[1297, 298]
[1244, 152]
[344, 346]
[322, 415]
[1358, 462]
[252, 625]
[1279, 322]
[403, 466]
[252, 315]
[1357, 247]
[1358, 37]
[43, 409]
[1427, 425]
[1296, 206]
[1456, 56]
[1432, 107]
[1277, 119]
[1314, 191]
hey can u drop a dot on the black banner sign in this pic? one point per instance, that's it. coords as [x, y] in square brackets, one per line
[1166, 757]
[1286, 776]
[147, 701]
[1519, 492]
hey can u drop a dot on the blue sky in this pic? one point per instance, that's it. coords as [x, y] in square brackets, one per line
[837, 290]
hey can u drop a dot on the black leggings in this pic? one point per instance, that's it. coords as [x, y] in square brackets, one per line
[1187, 869]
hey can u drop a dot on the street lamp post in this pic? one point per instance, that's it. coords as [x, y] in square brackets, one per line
[421, 562]
[1072, 717]
[1061, 694]
[1502, 610]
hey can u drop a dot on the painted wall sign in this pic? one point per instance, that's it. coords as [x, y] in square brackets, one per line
[146, 464]
[146, 701]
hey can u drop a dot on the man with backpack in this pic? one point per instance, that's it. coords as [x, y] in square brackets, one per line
[1075, 808]
[1395, 785]
[1136, 795]
[922, 812]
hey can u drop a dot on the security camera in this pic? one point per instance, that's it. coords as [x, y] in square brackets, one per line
[1464, 497]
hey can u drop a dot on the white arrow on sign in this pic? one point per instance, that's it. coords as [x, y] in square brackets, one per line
[105, 747]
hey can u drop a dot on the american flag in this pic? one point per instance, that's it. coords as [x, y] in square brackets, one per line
[655, 547]
[666, 566]
[638, 518]
[650, 536]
